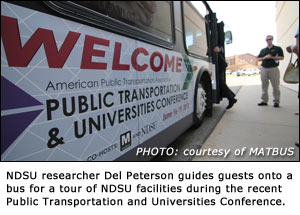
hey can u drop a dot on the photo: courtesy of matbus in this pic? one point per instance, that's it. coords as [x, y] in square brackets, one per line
[100, 80]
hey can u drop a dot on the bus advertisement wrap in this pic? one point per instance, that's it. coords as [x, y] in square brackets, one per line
[73, 92]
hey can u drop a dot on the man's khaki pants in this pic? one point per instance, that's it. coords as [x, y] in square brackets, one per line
[273, 75]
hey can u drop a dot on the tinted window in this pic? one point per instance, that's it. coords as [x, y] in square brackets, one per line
[154, 17]
[195, 31]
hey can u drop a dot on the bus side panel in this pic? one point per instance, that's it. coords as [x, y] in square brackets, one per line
[73, 92]
[146, 150]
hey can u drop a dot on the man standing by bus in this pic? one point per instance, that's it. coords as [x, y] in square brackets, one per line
[270, 57]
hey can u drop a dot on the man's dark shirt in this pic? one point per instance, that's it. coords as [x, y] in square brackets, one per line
[274, 51]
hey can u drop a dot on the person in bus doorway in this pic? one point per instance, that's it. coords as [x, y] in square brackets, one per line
[295, 49]
[225, 90]
[270, 57]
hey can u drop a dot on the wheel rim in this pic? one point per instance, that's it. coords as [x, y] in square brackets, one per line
[201, 101]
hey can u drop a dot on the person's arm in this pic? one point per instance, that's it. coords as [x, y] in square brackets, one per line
[274, 58]
[260, 57]
[280, 55]
[270, 57]
[263, 58]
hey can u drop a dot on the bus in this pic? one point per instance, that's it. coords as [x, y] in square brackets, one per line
[100, 80]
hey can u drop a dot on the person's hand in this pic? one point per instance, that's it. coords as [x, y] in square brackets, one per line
[289, 49]
[217, 49]
[267, 57]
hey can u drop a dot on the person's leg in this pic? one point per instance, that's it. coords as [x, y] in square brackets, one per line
[226, 92]
[264, 85]
[275, 81]
[229, 95]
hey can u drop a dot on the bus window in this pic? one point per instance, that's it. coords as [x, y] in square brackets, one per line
[195, 31]
[154, 17]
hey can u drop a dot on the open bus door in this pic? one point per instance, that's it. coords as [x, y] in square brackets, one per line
[224, 38]
[217, 37]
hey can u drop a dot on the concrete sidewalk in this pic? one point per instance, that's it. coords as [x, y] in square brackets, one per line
[248, 125]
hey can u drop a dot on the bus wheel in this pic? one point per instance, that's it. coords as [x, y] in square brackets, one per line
[203, 102]
[200, 105]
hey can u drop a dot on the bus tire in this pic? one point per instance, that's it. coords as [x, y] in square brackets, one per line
[203, 101]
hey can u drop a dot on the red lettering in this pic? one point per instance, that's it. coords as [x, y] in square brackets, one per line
[178, 64]
[153, 67]
[18, 56]
[89, 52]
[134, 56]
[169, 63]
[116, 61]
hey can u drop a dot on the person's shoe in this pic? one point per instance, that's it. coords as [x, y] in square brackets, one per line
[231, 103]
[297, 144]
[276, 105]
[262, 104]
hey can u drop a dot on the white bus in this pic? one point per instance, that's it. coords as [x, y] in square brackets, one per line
[98, 80]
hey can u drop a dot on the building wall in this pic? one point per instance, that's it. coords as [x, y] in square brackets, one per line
[238, 62]
[287, 22]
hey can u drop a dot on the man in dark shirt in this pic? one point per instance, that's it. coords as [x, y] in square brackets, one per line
[270, 57]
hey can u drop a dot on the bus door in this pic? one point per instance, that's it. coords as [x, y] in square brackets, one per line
[217, 38]
[221, 59]
[213, 42]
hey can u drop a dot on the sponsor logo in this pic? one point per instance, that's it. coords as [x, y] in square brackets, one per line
[125, 140]
[147, 129]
